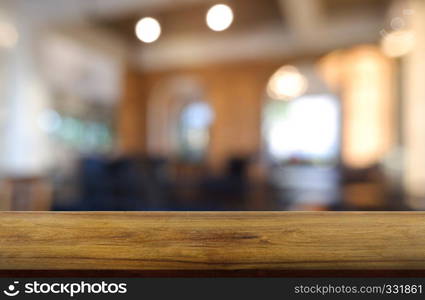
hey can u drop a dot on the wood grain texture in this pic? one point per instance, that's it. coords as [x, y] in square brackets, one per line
[212, 241]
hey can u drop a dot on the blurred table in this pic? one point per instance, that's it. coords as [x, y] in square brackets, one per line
[25, 194]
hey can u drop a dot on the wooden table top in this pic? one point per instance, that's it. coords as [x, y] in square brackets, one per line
[214, 241]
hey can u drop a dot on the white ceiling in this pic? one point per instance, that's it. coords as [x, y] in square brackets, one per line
[308, 31]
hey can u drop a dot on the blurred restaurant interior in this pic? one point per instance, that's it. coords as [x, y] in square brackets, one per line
[212, 105]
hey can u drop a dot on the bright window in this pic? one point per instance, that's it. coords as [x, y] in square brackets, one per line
[194, 130]
[305, 129]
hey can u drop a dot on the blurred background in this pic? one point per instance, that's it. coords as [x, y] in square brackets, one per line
[212, 105]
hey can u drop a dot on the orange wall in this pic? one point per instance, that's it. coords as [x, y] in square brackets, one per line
[131, 125]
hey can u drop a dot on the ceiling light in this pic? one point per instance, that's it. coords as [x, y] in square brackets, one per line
[148, 30]
[286, 83]
[219, 17]
[398, 43]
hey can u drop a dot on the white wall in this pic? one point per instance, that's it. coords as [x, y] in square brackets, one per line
[24, 96]
[25, 90]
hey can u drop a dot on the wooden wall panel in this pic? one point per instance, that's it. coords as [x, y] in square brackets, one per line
[235, 91]
[131, 119]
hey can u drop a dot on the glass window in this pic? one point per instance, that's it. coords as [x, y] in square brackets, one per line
[194, 130]
[305, 129]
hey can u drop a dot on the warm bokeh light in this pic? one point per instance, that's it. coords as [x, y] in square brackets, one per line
[398, 43]
[8, 35]
[287, 83]
[219, 17]
[368, 107]
[148, 30]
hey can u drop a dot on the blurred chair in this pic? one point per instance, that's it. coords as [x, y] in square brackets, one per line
[228, 191]
[125, 183]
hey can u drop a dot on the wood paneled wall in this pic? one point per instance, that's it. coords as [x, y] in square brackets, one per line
[235, 92]
[131, 125]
